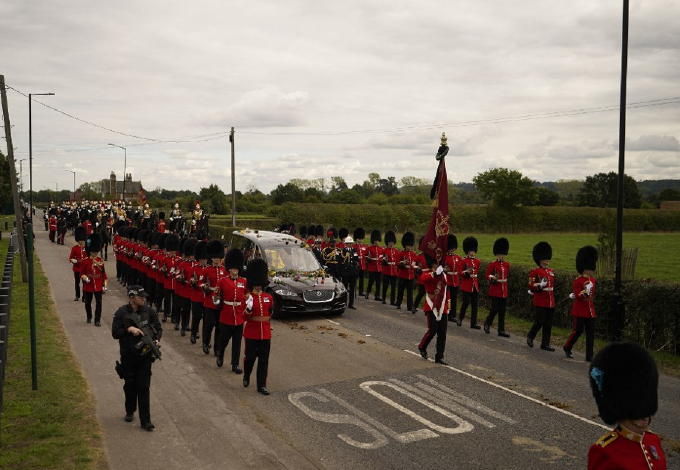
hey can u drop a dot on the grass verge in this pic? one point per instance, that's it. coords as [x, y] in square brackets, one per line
[55, 426]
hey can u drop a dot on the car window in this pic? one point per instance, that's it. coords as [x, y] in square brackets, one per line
[291, 258]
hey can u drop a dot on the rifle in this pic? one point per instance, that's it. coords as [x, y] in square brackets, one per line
[147, 343]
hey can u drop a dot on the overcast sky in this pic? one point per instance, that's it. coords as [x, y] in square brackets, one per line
[319, 89]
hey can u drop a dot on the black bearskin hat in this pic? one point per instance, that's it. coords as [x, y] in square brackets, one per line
[359, 233]
[586, 258]
[318, 231]
[343, 233]
[121, 230]
[542, 250]
[234, 259]
[172, 243]
[257, 273]
[332, 233]
[470, 244]
[93, 244]
[180, 248]
[390, 237]
[501, 246]
[291, 229]
[162, 239]
[190, 247]
[624, 381]
[376, 236]
[155, 238]
[199, 250]
[408, 239]
[81, 233]
[429, 261]
[453, 242]
[303, 231]
[214, 249]
[161, 215]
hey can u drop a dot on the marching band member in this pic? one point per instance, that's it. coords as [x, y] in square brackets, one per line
[541, 285]
[406, 263]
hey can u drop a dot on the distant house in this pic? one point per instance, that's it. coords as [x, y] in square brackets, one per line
[670, 205]
[112, 189]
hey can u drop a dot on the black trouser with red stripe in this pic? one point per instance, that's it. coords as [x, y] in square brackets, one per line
[257, 349]
[543, 319]
[438, 329]
[469, 298]
[581, 323]
[498, 305]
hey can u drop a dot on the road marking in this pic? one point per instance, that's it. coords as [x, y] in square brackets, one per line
[432, 394]
[568, 413]
[463, 426]
[333, 322]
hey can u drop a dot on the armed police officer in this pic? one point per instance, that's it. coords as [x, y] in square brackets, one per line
[137, 329]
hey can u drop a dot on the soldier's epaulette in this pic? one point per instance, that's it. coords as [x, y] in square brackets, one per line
[607, 439]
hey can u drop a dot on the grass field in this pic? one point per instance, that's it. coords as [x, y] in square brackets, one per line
[658, 254]
[54, 426]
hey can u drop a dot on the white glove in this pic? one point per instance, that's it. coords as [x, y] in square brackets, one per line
[530, 293]
[572, 296]
[491, 277]
[543, 283]
[249, 302]
[439, 270]
[87, 280]
[589, 287]
[74, 261]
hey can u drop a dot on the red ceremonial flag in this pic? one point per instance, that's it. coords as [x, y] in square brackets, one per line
[435, 242]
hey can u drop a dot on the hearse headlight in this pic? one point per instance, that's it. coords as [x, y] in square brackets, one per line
[341, 288]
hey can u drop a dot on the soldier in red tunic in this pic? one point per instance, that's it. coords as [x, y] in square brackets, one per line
[231, 292]
[583, 309]
[53, 225]
[389, 268]
[541, 285]
[76, 257]
[421, 266]
[362, 251]
[197, 294]
[453, 263]
[624, 380]
[436, 314]
[93, 274]
[374, 264]
[406, 264]
[211, 277]
[469, 283]
[497, 274]
[257, 331]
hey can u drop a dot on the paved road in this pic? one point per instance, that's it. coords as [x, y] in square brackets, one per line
[347, 391]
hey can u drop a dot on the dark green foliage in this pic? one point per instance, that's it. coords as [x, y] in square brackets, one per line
[546, 197]
[506, 188]
[600, 191]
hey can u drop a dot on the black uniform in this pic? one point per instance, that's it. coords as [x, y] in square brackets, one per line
[136, 366]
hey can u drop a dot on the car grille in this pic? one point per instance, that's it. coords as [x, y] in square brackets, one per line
[315, 296]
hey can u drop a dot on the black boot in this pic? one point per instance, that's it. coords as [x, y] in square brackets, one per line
[220, 358]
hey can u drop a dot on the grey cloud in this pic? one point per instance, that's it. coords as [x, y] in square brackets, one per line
[659, 143]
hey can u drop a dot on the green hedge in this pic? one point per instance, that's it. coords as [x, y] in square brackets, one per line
[479, 219]
[651, 307]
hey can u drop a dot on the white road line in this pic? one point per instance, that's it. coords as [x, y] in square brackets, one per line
[568, 413]
[333, 322]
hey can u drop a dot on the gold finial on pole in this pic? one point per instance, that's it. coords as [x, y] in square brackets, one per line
[443, 148]
[443, 138]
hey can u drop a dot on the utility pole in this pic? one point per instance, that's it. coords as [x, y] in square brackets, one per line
[619, 316]
[233, 180]
[13, 180]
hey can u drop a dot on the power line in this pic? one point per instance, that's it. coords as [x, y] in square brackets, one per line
[500, 120]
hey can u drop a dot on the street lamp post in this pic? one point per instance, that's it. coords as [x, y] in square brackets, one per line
[74, 183]
[29, 254]
[124, 167]
[21, 175]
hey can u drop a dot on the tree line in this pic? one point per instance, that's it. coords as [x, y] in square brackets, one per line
[498, 187]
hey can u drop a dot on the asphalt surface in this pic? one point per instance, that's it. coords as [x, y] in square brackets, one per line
[347, 391]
